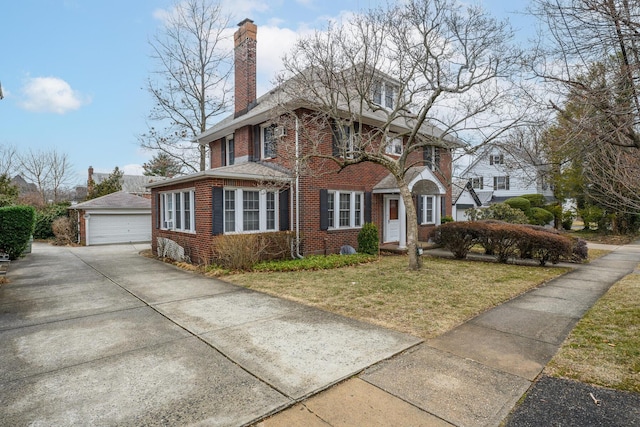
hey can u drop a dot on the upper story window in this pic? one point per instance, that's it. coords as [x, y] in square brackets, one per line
[384, 94]
[496, 159]
[228, 151]
[394, 145]
[269, 136]
[477, 183]
[432, 157]
[176, 211]
[343, 140]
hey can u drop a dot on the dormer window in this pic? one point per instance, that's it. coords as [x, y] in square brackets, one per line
[384, 94]
[496, 159]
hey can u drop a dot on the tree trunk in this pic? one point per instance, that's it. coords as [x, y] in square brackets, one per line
[412, 224]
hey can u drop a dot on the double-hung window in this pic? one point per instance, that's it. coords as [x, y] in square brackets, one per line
[384, 94]
[343, 139]
[250, 210]
[432, 157]
[496, 159]
[269, 140]
[500, 182]
[176, 211]
[429, 210]
[230, 154]
[477, 183]
[345, 209]
[394, 145]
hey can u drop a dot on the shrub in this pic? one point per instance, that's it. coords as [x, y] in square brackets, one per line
[445, 219]
[591, 215]
[368, 240]
[44, 220]
[535, 200]
[540, 216]
[519, 203]
[243, 251]
[65, 230]
[579, 250]
[457, 237]
[504, 239]
[567, 219]
[499, 212]
[548, 246]
[16, 228]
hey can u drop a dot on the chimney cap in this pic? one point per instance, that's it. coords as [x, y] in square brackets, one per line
[244, 21]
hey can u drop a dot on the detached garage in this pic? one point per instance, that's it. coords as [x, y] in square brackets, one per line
[115, 218]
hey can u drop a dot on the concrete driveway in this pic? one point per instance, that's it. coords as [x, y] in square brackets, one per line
[103, 336]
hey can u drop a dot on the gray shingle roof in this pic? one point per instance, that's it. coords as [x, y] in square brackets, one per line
[119, 200]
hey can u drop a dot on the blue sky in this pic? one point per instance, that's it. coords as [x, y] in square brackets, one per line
[73, 71]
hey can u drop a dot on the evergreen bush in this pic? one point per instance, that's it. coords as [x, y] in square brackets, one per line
[368, 239]
[16, 228]
[540, 216]
[519, 203]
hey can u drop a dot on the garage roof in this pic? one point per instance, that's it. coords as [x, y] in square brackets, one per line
[119, 200]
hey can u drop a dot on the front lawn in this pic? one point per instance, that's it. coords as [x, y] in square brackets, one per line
[425, 303]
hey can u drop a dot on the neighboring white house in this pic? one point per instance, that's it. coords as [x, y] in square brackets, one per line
[497, 173]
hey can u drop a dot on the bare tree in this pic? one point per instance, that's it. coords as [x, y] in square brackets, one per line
[579, 35]
[50, 171]
[8, 157]
[190, 85]
[446, 71]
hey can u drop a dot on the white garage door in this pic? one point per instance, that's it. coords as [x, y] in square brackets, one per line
[119, 228]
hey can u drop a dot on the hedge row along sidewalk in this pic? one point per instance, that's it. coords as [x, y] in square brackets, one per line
[505, 241]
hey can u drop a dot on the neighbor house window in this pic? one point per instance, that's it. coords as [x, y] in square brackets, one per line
[269, 140]
[500, 182]
[176, 212]
[429, 210]
[477, 183]
[348, 213]
[394, 145]
[248, 210]
[496, 159]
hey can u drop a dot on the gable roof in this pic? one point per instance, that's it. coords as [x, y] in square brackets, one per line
[135, 184]
[118, 200]
[522, 157]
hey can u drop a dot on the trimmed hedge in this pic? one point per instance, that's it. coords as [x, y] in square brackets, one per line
[519, 203]
[540, 216]
[44, 219]
[507, 241]
[16, 228]
[536, 200]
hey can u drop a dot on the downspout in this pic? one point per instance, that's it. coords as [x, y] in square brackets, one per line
[297, 172]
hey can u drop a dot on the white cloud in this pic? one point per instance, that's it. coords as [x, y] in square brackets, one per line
[51, 95]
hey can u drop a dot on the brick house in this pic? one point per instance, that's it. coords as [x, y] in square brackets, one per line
[250, 186]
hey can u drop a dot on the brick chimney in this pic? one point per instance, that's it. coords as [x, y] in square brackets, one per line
[245, 66]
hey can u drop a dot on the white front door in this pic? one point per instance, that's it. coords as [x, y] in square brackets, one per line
[391, 218]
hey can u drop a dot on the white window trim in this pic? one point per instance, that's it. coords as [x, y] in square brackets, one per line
[352, 209]
[168, 206]
[383, 84]
[435, 209]
[502, 187]
[276, 129]
[262, 210]
[394, 142]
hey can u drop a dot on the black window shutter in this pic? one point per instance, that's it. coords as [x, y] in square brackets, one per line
[491, 159]
[506, 183]
[420, 208]
[283, 207]
[158, 216]
[256, 143]
[367, 206]
[495, 183]
[217, 208]
[502, 159]
[324, 209]
[443, 206]
[437, 157]
[223, 152]
[481, 182]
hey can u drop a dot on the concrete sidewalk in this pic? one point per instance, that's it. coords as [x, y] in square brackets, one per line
[475, 374]
[103, 336]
